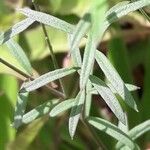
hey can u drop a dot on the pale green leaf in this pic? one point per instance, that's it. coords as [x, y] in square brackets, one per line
[46, 78]
[115, 79]
[16, 29]
[75, 53]
[20, 108]
[62, 106]
[16, 50]
[136, 132]
[111, 130]
[47, 19]
[108, 97]
[130, 87]
[39, 111]
[76, 112]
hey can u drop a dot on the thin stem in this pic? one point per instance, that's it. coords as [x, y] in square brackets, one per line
[53, 91]
[49, 46]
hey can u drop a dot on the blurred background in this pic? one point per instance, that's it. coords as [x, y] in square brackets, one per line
[127, 45]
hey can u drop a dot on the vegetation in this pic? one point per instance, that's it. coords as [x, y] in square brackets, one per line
[88, 58]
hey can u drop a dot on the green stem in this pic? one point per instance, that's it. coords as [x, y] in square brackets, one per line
[55, 64]
[53, 91]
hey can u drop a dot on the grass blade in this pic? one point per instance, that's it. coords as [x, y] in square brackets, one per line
[47, 20]
[108, 97]
[16, 50]
[76, 112]
[39, 111]
[115, 80]
[46, 78]
[111, 130]
[16, 29]
[65, 105]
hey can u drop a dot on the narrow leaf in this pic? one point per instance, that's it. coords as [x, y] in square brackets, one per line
[136, 132]
[115, 80]
[108, 97]
[39, 111]
[130, 87]
[16, 50]
[80, 30]
[47, 19]
[16, 29]
[75, 53]
[20, 109]
[65, 105]
[111, 130]
[46, 78]
[76, 112]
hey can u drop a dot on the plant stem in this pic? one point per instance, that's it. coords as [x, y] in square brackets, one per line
[53, 91]
[55, 64]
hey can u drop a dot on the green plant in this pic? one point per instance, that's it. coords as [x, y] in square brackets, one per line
[114, 91]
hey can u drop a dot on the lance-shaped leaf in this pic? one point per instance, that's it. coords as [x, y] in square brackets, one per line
[39, 111]
[16, 50]
[136, 132]
[111, 130]
[115, 79]
[76, 112]
[95, 33]
[65, 105]
[75, 53]
[20, 108]
[123, 9]
[16, 29]
[47, 19]
[108, 97]
[80, 31]
[46, 78]
[130, 87]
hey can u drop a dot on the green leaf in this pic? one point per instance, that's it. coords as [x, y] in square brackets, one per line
[97, 13]
[20, 108]
[75, 53]
[130, 87]
[108, 97]
[111, 130]
[117, 12]
[62, 106]
[47, 19]
[46, 78]
[39, 111]
[80, 31]
[136, 132]
[16, 50]
[115, 79]
[76, 112]
[16, 29]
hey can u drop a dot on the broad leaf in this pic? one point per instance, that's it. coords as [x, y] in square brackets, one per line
[76, 112]
[62, 106]
[108, 97]
[47, 19]
[16, 50]
[115, 80]
[111, 130]
[46, 78]
[16, 29]
[39, 111]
